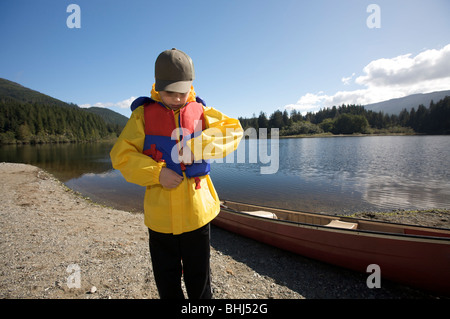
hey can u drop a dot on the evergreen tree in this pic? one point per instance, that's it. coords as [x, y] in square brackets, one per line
[276, 120]
[263, 122]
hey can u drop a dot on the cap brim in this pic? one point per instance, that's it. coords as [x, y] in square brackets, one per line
[171, 86]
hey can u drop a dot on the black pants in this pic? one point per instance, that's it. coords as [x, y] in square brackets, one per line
[186, 255]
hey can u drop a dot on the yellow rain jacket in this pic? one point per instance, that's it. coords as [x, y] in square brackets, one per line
[183, 208]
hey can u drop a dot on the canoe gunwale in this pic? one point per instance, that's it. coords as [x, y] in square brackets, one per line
[442, 239]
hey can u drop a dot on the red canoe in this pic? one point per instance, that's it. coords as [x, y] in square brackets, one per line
[413, 255]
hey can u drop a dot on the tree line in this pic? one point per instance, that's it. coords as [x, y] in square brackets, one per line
[351, 119]
[41, 122]
[37, 122]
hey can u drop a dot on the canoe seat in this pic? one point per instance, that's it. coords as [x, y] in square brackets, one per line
[262, 213]
[341, 224]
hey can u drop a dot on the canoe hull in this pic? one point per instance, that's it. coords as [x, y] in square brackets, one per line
[422, 262]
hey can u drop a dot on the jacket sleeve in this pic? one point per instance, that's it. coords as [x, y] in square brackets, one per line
[220, 138]
[127, 157]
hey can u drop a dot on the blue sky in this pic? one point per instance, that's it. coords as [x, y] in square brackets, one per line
[249, 56]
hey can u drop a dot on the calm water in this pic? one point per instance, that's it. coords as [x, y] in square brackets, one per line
[333, 175]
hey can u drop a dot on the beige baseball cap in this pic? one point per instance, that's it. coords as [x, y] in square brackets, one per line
[174, 71]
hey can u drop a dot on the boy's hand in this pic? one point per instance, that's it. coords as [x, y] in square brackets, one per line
[169, 179]
[185, 156]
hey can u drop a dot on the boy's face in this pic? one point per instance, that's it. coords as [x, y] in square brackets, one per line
[174, 100]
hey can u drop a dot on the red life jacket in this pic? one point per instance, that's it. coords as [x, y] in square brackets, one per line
[161, 135]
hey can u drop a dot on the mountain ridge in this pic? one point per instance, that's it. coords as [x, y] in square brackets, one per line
[395, 106]
[23, 94]
[29, 116]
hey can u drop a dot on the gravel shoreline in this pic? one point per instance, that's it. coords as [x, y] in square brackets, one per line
[49, 234]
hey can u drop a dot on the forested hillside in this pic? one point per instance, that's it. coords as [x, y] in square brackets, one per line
[350, 119]
[27, 116]
[109, 116]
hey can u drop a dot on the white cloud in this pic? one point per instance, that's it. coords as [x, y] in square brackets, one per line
[346, 80]
[308, 102]
[125, 104]
[406, 70]
[384, 79]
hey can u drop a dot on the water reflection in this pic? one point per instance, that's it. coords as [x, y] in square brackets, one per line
[65, 161]
[334, 175]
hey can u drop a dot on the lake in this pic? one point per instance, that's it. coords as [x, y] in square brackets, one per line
[338, 175]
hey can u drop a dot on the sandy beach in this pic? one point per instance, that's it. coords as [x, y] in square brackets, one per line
[56, 244]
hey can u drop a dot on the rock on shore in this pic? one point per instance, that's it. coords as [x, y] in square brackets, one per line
[56, 244]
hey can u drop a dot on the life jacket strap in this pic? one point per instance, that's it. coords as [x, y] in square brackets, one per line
[154, 153]
[197, 183]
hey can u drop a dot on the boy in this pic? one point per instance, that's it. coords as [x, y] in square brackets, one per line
[165, 147]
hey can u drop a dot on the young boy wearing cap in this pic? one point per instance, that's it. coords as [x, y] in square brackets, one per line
[166, 146]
